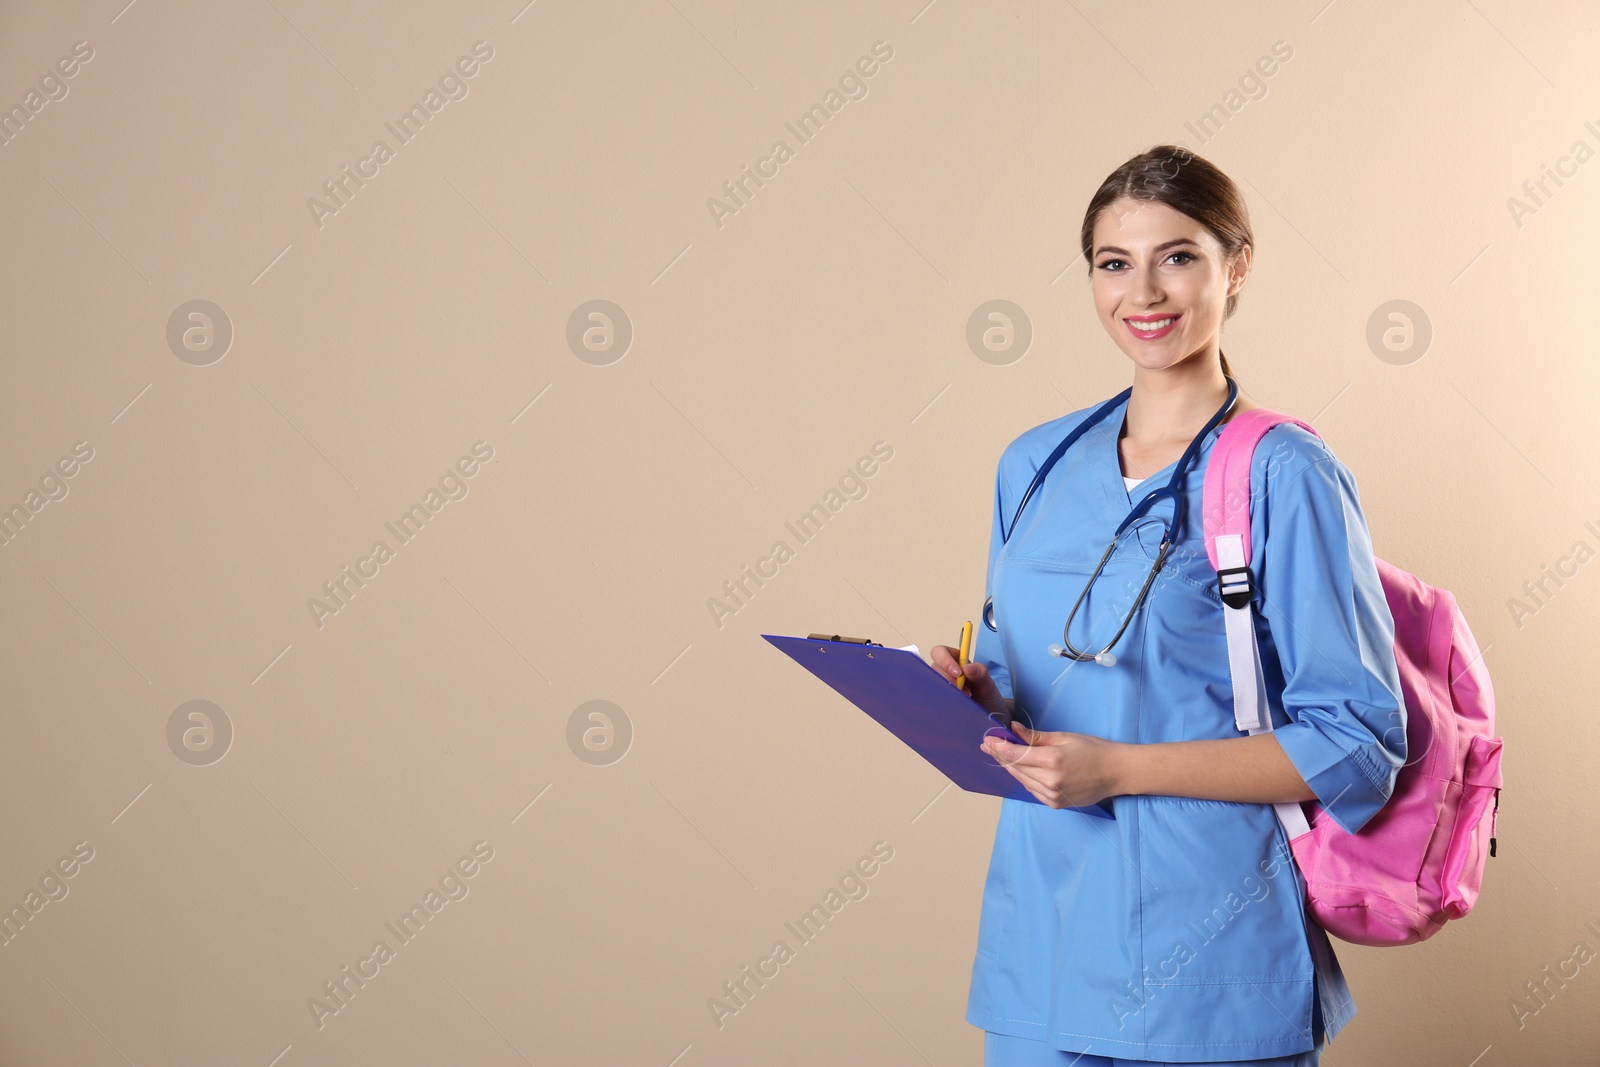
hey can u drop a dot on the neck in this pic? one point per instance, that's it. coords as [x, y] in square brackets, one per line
[1172, 404]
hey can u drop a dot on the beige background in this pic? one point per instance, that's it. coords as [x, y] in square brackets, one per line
[370, 753]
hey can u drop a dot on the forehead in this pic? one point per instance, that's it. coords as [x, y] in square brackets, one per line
[1133, 224]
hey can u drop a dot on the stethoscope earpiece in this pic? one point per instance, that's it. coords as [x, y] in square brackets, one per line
[1105, 659]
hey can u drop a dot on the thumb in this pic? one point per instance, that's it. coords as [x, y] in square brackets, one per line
[978, 676]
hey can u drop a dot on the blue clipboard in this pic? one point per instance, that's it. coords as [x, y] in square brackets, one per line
[921, 707]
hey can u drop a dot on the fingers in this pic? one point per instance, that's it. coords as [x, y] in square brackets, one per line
[1007, 754]
[1031, 766]
[1031, 779]
[979, 684]
[1041, 764]
[1036, 751]
[1030, 737]
[944, 661]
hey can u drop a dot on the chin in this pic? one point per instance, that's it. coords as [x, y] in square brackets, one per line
[1153, 360]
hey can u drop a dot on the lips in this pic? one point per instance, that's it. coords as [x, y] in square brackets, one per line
[1150, 327]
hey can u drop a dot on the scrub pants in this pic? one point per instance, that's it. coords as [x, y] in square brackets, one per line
[1003, 1050]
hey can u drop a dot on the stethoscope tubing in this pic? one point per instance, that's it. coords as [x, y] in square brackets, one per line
[1170, 491]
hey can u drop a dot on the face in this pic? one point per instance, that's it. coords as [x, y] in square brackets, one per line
[1160, 283]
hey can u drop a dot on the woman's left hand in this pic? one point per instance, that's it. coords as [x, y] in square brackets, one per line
[1064, 770]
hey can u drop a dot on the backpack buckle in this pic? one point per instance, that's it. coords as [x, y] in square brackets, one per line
[1235, 585]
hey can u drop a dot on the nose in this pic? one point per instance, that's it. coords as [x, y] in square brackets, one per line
[1146, 288]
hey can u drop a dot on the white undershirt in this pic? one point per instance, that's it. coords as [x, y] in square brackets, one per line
[1130, 482]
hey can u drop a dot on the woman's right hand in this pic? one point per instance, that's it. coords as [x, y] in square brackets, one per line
[980, 686]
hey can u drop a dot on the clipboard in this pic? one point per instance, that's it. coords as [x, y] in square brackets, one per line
[921, 707]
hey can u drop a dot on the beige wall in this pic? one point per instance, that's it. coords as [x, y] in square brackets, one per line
[366, 753]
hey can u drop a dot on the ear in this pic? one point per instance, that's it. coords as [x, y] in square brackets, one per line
[1239, 269]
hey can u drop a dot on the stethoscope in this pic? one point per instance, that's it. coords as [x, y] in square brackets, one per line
[1172, 490]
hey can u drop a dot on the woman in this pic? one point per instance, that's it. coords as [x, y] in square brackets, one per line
[1175, 932]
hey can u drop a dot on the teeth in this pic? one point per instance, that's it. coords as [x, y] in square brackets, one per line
[1159, 324]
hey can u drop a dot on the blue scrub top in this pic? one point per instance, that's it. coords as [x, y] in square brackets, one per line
[1178, 931]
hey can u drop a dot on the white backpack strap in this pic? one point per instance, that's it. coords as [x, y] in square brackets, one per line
[1244, 658]
[1251, 712]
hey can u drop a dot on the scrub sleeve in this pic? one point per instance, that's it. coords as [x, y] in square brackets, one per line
[1177, 932]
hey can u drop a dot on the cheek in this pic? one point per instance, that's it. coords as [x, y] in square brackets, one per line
[1107, 298]
[1209, 305]
[1212, 290]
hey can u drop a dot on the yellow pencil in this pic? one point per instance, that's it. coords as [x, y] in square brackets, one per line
[966, 652]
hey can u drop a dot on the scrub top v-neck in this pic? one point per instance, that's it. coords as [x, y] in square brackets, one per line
[1176, 931]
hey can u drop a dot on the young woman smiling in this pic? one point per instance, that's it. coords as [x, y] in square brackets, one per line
[1175, 932]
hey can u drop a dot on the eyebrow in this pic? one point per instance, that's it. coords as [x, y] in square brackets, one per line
[1158, 248]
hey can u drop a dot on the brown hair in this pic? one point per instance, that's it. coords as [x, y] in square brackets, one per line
[1176, 177]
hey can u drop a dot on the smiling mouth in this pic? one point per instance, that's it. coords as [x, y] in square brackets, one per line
[1152, 328]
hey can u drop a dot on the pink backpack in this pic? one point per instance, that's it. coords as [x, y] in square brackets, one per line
[1419, 861]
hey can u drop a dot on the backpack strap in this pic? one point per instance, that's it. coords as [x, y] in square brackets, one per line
[1226, 509]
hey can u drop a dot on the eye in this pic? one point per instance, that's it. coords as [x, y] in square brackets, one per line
[1115, 265]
